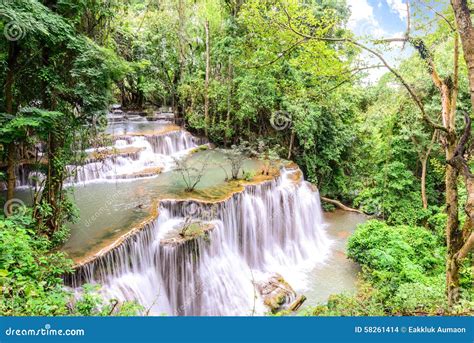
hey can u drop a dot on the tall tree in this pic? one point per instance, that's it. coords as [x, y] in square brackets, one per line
[206, 82]
[466, 31]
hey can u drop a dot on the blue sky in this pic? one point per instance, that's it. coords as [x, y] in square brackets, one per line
[377, 19]
[384, 17]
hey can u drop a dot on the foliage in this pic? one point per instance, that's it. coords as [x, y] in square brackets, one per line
[393, 255]
[30, 274]
[91, 303]
[236, 156]
[289, 97]
[402, 273]
[364, 303]
[31, 277]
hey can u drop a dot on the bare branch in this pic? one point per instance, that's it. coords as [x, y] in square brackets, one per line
[410, 90]
[439, 15]
[466, 248]
[352, 73]
[280, 55]
[407, 33]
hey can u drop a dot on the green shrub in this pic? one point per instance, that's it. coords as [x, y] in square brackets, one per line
[402, 273]
[91, 303]
[412, 297]
[393, 255]
[30, 275]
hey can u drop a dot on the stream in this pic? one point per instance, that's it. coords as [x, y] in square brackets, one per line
[133, 212]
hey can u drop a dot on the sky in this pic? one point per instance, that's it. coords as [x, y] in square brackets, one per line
[383, 17]
[377, 19]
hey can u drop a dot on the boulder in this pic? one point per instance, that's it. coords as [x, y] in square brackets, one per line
[186, 232]
[277, 294]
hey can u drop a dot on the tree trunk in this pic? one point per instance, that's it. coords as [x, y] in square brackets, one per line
[52, 193]
[424, 166]
[453, 233]
[292, 141]
[341, 205]
[181, 38]
[55, 180]
[465, 237]
[454, 240]
[295, 305]
[13, 51]
[206, 84]
[424, 198]
[466, 32]
[230, 72]
[11, 177]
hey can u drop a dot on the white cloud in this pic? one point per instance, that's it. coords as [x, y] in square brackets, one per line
[360, 11]
[399, 7]
[366, 27]
[362, 20]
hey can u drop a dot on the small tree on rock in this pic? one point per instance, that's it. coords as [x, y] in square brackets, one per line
[191, 174]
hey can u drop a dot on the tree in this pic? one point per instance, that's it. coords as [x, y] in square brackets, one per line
[236, 156]
[68, 84]
[191, 174]
[206, 85]
[466, 32]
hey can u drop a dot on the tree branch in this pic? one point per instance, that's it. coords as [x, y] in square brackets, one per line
[405, 84]
[280, 55]
[341, 205]
[466, 248]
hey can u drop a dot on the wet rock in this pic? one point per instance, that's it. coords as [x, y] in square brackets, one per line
[276, 292]
[102, 154]
[147, 172]
[187, 231]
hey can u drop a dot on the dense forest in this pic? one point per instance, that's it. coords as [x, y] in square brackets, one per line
[276, 79]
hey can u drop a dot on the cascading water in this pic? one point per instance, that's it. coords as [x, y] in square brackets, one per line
[272, 227]
[142, 156]
[144, 153]
[168, 144]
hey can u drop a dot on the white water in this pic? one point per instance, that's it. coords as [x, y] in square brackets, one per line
[155, 151]
[273, 227]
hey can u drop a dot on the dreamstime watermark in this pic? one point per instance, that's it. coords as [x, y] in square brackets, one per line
[191, 299]
[14, 207]
[97, 214]
[203, 212]
[46, 331]
[369, 29]
[102, 121]
[281, 120]
[14, 31]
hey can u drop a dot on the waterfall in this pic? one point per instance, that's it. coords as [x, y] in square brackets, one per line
[26, 176]
[258, 236]
[172, 142]
[141, 154]
[276, 226]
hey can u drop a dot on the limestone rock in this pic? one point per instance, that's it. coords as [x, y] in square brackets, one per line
[276, 292]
